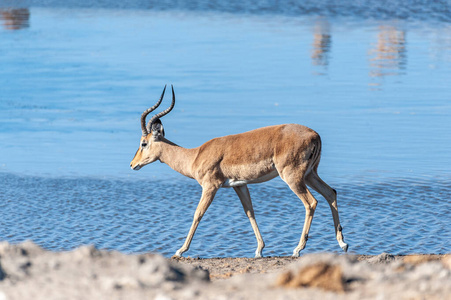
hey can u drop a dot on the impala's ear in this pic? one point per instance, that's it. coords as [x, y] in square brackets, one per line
[157, 130]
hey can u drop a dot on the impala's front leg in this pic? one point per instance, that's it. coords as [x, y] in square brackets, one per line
[208, 193]
[245, 197]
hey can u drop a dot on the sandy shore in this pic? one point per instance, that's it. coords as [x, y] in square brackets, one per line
[29, 272]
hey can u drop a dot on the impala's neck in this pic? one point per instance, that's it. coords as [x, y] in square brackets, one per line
[178, 158]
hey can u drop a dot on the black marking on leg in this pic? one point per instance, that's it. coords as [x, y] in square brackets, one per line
[306, 237]
[339, 228]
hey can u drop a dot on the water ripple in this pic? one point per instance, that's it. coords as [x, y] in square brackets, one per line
[393, 215]
[370, 9]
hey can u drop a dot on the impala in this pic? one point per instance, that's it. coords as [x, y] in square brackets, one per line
[290, 151]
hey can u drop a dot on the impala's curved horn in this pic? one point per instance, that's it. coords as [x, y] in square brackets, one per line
[163, 113]
[148, 111]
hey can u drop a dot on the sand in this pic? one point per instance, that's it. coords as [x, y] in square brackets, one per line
[30, 272]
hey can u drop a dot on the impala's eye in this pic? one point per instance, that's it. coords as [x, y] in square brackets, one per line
[144, 144]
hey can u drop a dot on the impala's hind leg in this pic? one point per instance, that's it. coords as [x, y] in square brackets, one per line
[314, 181]
[310, 205]
[245, 197]
[296, 183]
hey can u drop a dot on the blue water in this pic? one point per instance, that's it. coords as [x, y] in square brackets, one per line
[75, 78]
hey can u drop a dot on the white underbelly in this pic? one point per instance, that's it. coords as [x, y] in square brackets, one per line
[237, 182]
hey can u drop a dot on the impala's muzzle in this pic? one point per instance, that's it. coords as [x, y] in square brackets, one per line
[136, 168]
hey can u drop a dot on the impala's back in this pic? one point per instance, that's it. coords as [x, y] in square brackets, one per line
[256, 156]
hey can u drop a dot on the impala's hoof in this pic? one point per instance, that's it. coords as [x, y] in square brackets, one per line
[258, 252]
[177, 254]
[295, 253]
[344, 246]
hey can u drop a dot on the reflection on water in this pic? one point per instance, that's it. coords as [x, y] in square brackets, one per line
[322, 42]
[441, 47]
[388, 55]
[15, 18]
